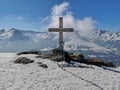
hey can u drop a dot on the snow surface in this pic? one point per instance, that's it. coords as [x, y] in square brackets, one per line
[58, 76]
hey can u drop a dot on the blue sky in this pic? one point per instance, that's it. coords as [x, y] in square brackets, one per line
[29, 14]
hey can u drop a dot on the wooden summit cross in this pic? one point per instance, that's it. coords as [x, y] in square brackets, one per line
[60, 30]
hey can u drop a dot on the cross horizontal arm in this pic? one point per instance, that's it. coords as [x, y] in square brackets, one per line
[63, 29]
[53, 29]
[67, 29]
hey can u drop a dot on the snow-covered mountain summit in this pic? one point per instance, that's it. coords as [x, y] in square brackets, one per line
[58, 75]
[100, 43]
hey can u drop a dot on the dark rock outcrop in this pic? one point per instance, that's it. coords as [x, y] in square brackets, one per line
[92, 61]
[57, 51]
[23, 60]
[97, 62]
[68, 57]
[30, 52]
[42, 65]
[78, 58]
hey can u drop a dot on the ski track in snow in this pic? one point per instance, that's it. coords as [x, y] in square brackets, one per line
[32, 77]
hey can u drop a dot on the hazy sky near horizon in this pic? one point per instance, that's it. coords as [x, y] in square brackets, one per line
[33, 14]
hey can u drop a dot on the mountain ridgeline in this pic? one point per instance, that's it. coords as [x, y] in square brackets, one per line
[99, 44]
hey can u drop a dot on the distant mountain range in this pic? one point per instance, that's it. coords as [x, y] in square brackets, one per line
[100, 44]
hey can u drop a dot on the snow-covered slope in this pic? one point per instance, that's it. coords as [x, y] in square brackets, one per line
[33, 77]
[100, 44]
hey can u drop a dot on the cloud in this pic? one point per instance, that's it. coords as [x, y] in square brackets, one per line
[58, 10]
[20, 18]
[84, 26]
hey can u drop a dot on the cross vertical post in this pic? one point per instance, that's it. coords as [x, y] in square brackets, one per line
[61, 36]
